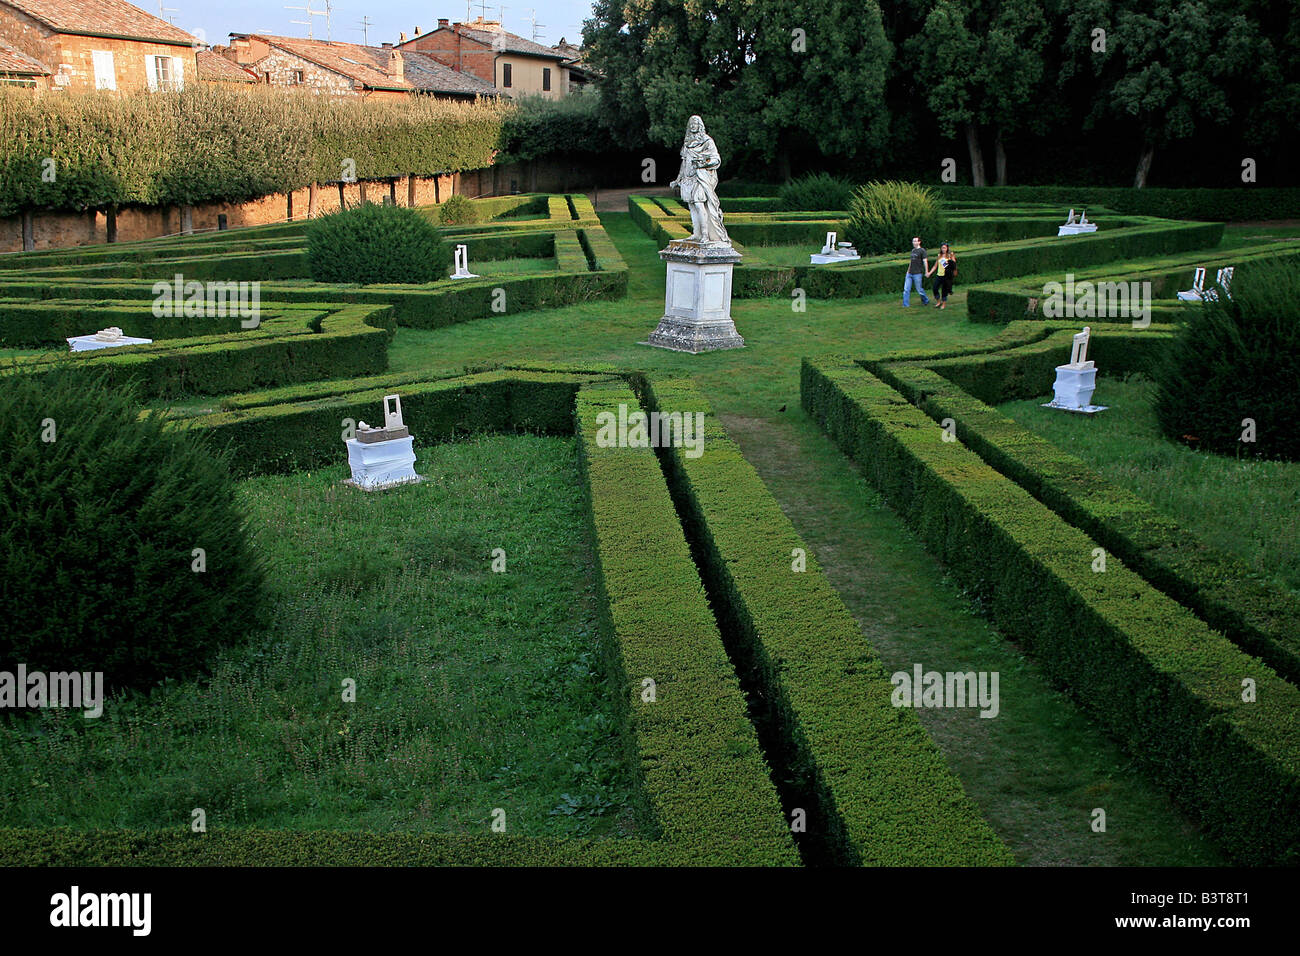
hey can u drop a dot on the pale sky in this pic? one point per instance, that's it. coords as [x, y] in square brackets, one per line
[217, 19]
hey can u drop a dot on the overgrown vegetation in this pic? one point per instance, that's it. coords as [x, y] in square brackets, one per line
[884, 216]
[1228, 382]
[122, 549]
[458, 210]
[376, 244]
[816, 191]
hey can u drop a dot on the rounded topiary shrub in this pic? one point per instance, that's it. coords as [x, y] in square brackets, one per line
[377, 244]
[815, 192]
[122, 548]
[1228, 381]
[884, 216]
[458, 210]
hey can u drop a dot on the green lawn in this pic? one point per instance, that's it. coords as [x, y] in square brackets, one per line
[1248, 508]
[475, 690]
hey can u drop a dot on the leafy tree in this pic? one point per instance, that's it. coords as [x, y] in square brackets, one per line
[981, 63]
[1177, 62]
[768, 76]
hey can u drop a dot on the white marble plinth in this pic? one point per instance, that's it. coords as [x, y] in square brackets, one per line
[382, 464]
[822, 259]
[1073, 389]
[1074, 229]
[697, 298]
[88, 343]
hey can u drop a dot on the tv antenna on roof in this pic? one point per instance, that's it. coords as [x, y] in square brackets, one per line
[310, 13]
[365, 30]
[536, 27]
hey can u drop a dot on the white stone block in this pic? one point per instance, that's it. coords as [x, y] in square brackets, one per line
[382, 464]
[89, 343]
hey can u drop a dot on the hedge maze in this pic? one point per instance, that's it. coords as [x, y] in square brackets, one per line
[764, 729]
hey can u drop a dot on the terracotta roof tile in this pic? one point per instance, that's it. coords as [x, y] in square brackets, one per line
[115, 18]
[368, 65]
[214, 67]
[16, 62]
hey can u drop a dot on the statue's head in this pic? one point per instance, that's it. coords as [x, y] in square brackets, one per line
[695, 124]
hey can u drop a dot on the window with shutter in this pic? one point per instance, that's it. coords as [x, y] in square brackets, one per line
[546, 78]
[105, 76]
[505, 74]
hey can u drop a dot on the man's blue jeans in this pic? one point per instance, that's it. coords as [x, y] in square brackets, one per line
[914, 278]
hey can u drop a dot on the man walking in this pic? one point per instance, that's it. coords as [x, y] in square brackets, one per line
[916, 270]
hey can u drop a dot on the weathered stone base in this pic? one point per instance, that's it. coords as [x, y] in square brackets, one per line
[697, 299]
[689, 335]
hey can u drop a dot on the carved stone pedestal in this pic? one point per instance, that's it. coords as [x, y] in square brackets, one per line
[697, 298]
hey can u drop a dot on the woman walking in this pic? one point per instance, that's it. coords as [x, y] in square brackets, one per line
[945, 269]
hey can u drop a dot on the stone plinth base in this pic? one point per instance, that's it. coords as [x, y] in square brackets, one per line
[88, 343]
[1076, 229]
[697, 298]
[381, 464]
[1073, 388]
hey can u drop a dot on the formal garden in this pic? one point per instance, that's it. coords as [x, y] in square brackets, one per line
[566, 646]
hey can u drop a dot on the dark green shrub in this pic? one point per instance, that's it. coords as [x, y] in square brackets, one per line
[458, 210]
[815, 192]
[1235, 359]
[98, 531]
[883, 217]
[376, 244]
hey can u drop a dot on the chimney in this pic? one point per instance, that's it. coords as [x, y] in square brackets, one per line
[387, 46]
[416, 33]
[396, 67]
[443, 23]
[401, 38]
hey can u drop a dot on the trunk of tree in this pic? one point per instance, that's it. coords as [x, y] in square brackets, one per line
[1000, 159]
[110, 223]
[1144, 165]
[311, 201]
[187, 220]
[288, 206]
[783, 163]
[976, 156]
[343, 203]
[29, 231]
[410, 189]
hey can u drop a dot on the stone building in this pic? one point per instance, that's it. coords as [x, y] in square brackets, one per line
[349, 69]
[481, 48]
[19, 69]
[97, 44]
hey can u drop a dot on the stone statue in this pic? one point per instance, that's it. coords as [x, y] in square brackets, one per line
[1071, 220]
[1079, 349]
[698, 181]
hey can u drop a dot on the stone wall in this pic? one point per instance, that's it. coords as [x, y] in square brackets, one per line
[56, 230]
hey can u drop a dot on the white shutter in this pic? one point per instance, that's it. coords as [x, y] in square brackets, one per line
[105, 77]
[178, 75]
[150, 74]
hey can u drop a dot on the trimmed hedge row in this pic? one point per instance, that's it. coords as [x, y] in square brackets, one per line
[884, 795]
[653, 221]
[52, 322]
[30, 847]
[351, 341]
[1168, 275]
[569, 254]
[1221, 205]
[705, 776]
[300, 435]
[1155, 675]
[1258, 617]
[981, 265]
